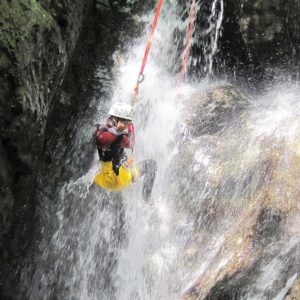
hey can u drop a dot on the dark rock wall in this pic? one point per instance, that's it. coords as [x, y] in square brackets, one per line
[259, 40]
[37, 39]
[271, 30]
[45, 86]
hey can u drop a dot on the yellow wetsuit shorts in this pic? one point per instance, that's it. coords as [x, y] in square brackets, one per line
[107, 178]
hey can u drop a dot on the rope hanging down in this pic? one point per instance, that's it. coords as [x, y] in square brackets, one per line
[186, 53]
[147, 50]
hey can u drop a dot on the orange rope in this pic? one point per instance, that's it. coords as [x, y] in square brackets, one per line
[186, 52]
[147, 50]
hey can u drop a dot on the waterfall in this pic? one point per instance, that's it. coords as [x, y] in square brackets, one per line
[211, 193]
[115, 246]
[146, 266]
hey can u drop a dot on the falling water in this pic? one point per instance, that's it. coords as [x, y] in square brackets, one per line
[115, 246]
[206, 38]
[99, 248]
[215, 30]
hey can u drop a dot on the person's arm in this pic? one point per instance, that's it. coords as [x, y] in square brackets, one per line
[104, 138]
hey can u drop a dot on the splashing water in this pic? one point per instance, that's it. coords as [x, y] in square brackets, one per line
[98, 249]
[114, 246]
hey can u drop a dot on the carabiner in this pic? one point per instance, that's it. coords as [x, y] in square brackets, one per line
[141, 78]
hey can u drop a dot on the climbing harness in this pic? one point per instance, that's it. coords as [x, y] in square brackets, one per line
[192, 18]
[141, 76]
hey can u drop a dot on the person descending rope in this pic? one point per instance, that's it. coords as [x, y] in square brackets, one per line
[112, 138]
[117, 134]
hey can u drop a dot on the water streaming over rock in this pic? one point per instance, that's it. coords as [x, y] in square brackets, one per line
[237, 189]
[115, 246]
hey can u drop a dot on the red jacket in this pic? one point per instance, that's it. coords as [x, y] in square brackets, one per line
[106, 136]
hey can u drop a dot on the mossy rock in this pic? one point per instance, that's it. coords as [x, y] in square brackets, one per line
[209, 112]
[17, 20]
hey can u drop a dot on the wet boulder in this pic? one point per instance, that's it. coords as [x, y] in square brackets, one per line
[295, 292]
[237, 185]
[210, 112]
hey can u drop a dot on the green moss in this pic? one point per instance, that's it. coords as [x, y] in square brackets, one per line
[17, 18]
[4, 61]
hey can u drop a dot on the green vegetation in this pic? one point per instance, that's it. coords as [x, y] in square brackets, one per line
[17, 20]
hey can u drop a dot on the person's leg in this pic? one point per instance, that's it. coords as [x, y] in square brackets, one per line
[106, 178]
[148, 169]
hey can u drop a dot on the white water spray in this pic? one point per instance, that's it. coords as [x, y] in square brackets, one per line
[114, 246]
[148, 266]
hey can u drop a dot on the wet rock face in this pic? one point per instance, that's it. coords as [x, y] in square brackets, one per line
[271, 30]
[260, 21]
[238, 187]
[295, 292]
[211, 112]
[255, 36]
[37, 39]
[69, 151]
[41, 92]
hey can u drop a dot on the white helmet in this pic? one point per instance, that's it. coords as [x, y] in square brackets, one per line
[121, 110]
